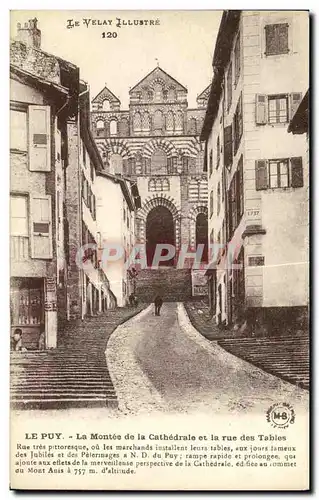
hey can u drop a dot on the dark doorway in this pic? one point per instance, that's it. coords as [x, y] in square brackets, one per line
[159, 229]
[202, 234]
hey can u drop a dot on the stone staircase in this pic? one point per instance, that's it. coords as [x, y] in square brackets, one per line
[72, 376]
[174, 285]
[285, 357]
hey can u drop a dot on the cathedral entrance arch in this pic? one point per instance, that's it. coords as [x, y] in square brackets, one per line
[159, 230]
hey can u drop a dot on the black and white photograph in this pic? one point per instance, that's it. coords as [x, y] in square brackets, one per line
[159, 250]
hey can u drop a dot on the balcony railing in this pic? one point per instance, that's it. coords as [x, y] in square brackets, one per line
[19, 248]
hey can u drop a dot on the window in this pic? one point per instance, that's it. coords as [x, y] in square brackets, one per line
[217, 152]
[229, 86]
[200, 162]
[223, 185]
[211, 203]
[159, 162]
[18, 130]
[218, 198]
[32, 134]
[138, 164]
[158, 92]
[124, 128]
[170, 121]
[237, 58]
[185, 161]
[19, 216]
[240, 175]
[116, 162]
[100, 127]
[192, 126]
[257, 260]
[276, 39]
[232, 206]
[211, 162]
[238, 287]
[158, 121]
[83, 154]
[171, 95]
[236, 199]
[106, 105]
[41, 234]
[113, 127]
[39, 138]
[146, 122]
[278, 109]
[159, 184]
[172, 165]
[238, 124]
[228, 146]
[179, 121]
[137, 122]
[279, 173]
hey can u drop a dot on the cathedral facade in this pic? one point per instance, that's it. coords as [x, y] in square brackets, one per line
[155, 143]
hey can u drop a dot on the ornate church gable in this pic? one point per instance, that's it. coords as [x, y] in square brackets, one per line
[202, 99]
[205, 93]
[106, 95]
[158, 76]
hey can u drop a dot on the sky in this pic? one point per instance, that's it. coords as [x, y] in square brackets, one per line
[182, 43]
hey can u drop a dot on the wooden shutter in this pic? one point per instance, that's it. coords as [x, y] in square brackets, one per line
[277, 39]
[39, 139]
[261, 171]
[261, 109]
[228, 146]
[41, 227]
[295, 100]
[296, 172]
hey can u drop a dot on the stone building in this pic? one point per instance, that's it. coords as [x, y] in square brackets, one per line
[257, 174]
[155, 143]
[52, 212]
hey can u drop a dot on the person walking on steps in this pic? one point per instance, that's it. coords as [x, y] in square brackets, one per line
[158, 302]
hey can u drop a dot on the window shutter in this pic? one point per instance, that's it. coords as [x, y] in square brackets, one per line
[295, 100]
[261, 109]
[39, 139]
[296, 172]
[41, 227]
[261, 175]
[228, 146]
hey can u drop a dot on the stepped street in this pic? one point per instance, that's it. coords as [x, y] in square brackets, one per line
[148, 363]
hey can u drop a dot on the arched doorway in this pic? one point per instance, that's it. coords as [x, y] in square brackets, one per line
[202, 234]
[159, 229]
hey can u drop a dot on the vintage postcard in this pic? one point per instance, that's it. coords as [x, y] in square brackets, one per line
[159, 231]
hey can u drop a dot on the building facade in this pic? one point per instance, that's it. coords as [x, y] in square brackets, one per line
[53, 164]
[42, 100]
[155, 143]
[117, 203]
[257, 176]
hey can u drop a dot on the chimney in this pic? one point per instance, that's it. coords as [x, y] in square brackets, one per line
[29, 33]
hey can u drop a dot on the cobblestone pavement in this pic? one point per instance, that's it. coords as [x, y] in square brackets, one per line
[164, 364]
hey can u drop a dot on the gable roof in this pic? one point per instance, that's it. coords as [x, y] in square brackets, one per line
[159, 72]
[105, 92]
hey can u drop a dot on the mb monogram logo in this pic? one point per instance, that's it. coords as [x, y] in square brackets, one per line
[280, 415]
